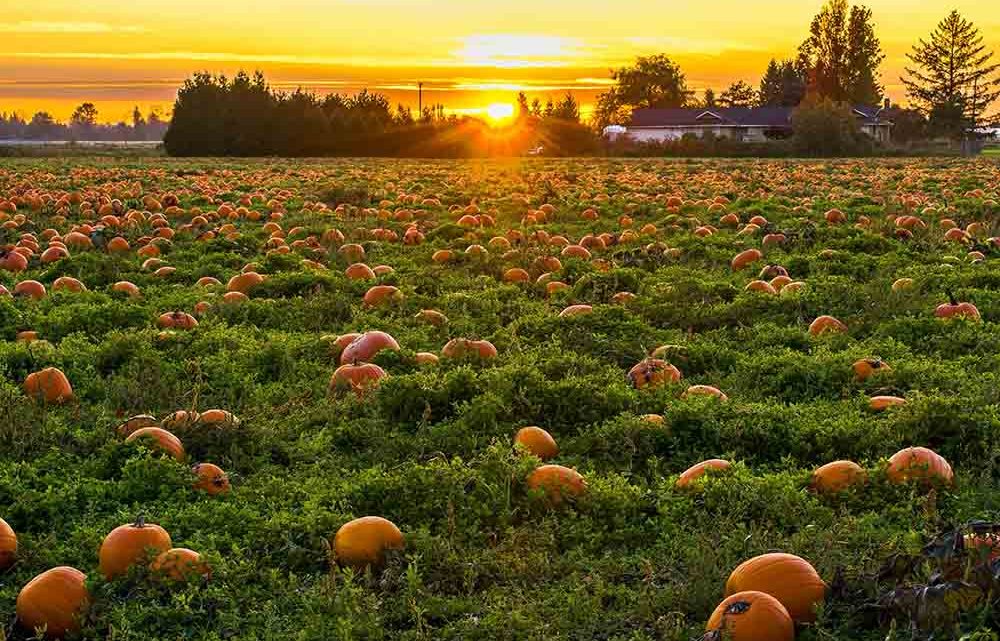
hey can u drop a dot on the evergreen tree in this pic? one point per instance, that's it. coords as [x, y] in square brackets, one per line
[783, 85]
[952, 79]
[738, 94]
[709, 100]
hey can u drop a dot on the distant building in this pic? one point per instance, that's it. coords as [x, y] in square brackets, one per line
[746, 124]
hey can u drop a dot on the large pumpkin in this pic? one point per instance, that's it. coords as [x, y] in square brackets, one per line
[788, 578]
[919, 464]
[364, 348]
[365, 541]
[8, 545]
[53, 600]
[357, 377]
[49, 385]
[244, 282]
[557, 482]
[160, 439]
[127, 544]
[750, 616]
[211, 478]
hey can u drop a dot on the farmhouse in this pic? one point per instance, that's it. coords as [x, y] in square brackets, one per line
[746, 124]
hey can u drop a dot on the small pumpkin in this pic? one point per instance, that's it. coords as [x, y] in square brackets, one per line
[357, 377]
[750, 616]
[557, 482]
[837, 476]
[575, 310]
[54, 600]
[365, 541]
[652, 372]
[790, 579]
[868, 367]
[136, 422]
[537, 441]
[382, 295]
[364, 348]
[128, 544]
[879, 403]
[179, 564]
[695, 472]
[432, 317]
[825, 324]
[160, 439]
[465, 348]
[177, 320]
[244, 282]
[211, 478]
[218, 419]
[955, 309]
[745, 258]
[705, 390]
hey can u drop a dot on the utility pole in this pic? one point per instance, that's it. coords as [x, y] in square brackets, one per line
[420, 99]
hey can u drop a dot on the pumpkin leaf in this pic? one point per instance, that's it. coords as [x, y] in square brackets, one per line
[933, 607]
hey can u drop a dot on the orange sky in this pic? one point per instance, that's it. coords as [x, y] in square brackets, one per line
[470, 53]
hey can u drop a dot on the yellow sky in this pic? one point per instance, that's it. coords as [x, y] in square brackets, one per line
[56, 53]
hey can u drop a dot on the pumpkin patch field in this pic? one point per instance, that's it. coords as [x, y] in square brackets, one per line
[539, 399]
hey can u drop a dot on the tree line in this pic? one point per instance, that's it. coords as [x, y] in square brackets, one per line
[82, 125]
[244, 116]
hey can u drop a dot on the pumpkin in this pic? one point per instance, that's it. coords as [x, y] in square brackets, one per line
[557, 483]
[208, 281]
[359, 271]
[761, 286]
[790, 579]
[179, 564]
[69, 284]
[837, 476]
[127, 544]
[53, 600]
[365, 541]
[575, 310]
[745, 258]
[698, 470]
[220, 419]
[126, 287]
[30, 288]
[49, 385]
[750, 616]
[824, 324]
[136, 422]
[244, 282]
[537, 441]
[179, 420]
[177, 320]
[955, 309]
[867, 367]
[879, 403]
[160, 439]
[382, 295]
[516, 275]
[364, 348]
[919, 464]
[432, 316]
[652, 372]
[357, 377]
[465, 348]
[211, 478]
[704, 390]
[8, 545]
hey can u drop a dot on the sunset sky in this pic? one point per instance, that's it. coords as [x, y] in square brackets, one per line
[470, 53]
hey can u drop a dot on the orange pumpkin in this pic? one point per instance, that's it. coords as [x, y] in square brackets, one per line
[126, 287]
[557, 483]
[219, 419]
[824, 324]
[705, 390]
[788, 578]
[382, 295]
[54, 600]
[30, 288]
[244, 282]
[750, 616]
[745, 258]
[464, 348]
[652, 372]
[357, 377]
[919, 464]
[698, 470]
[177, 320]
[49, 385]
[160, 439]
[837, 476]
[575, 310]
[364, 348]
[432, 316]
[537, 441]
[179, 564]
[211, 478]
[953, 309]
[137, 422]
[867, 367]
[359, 271]
[8, 545]
[128, 544]
[365, 541]
[879, 403]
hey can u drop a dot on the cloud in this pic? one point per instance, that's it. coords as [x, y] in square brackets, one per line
[35, 27]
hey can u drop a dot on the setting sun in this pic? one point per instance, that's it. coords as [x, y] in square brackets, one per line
[500, 111]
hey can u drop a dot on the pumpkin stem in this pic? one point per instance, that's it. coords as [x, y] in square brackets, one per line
[951, 297]
[140, 521]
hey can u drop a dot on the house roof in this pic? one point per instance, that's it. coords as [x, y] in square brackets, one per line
[778, 117]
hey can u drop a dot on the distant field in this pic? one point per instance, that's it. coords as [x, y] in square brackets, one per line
[992, 151]
[576, 272]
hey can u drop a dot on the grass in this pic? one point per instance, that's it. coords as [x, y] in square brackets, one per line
[431, 449]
